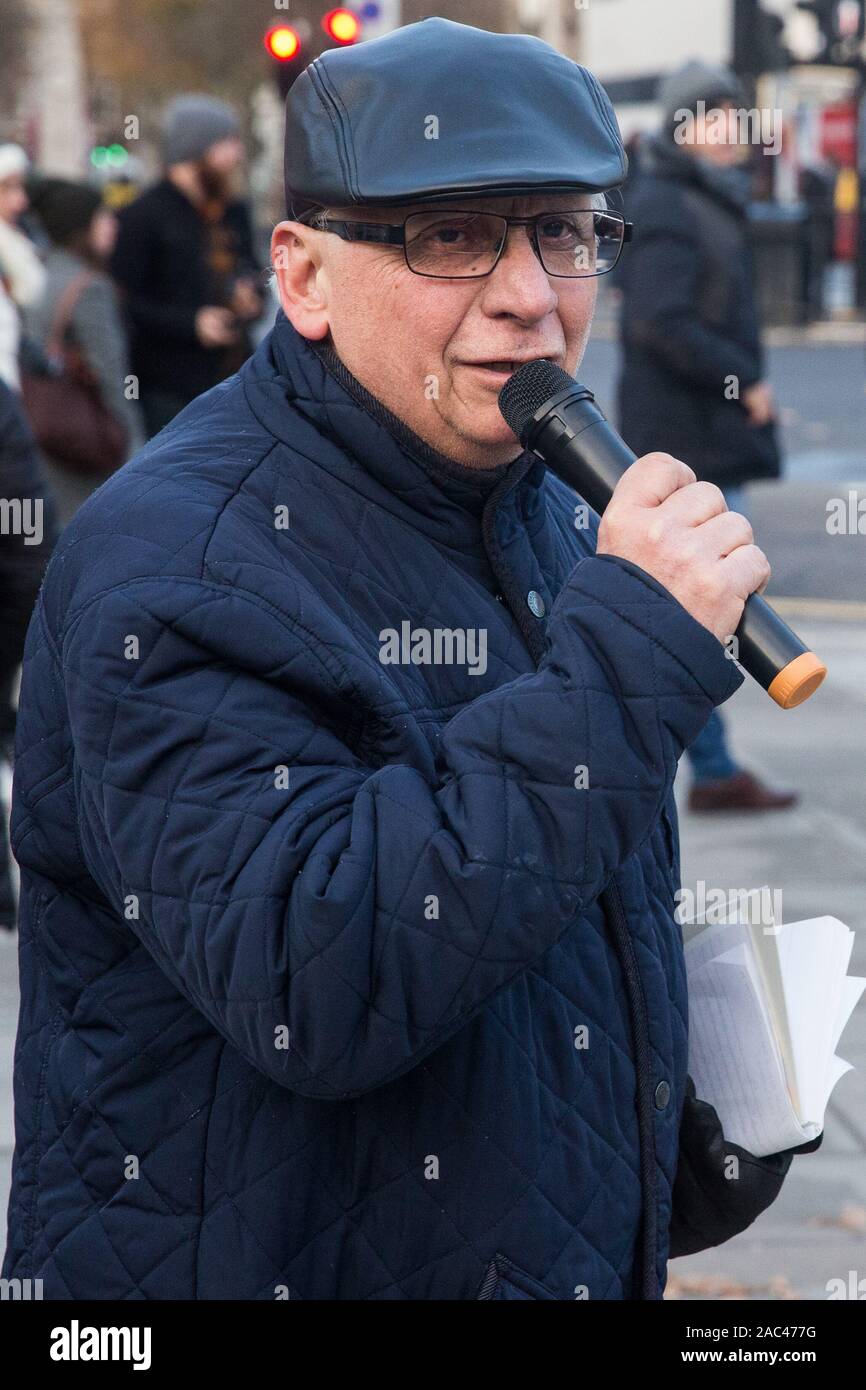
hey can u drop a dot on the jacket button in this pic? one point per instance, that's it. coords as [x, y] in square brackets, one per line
[663, 1095]
[535, 603]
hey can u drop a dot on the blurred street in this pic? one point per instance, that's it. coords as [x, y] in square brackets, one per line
[816, 852]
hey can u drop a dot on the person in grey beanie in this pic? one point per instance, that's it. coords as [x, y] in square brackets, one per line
[193, 124]
[689, 329]
[683, 89]
[185, 262]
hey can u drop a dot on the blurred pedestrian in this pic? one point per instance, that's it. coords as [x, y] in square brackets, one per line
[817, 189]
[78, 325]
[186, 263]
[692, 381]
[21, 274]
[632, 149]
[26, 538]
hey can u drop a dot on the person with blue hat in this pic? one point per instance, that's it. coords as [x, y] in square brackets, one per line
[350, 968]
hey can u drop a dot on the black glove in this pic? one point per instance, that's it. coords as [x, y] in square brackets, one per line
[709, 1208]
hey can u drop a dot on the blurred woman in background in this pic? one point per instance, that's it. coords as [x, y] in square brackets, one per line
[22, 277]
[78, 317]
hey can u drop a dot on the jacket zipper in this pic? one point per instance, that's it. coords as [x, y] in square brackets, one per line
[531, 630]
[617, 925]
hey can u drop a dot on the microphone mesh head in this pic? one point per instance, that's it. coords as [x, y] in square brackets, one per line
[527, 390]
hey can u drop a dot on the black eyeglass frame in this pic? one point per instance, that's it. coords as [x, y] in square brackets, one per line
[394, 234]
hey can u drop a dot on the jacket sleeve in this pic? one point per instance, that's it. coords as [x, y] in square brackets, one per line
[334, 917]
[248, 261]
[664, 283]
[714, 1200]
[131, 267]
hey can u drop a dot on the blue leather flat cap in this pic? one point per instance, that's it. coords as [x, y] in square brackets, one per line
[439, 110]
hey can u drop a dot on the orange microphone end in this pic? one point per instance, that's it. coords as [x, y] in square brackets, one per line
[797, 681]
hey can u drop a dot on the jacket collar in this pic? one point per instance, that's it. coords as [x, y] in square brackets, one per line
[375, 452]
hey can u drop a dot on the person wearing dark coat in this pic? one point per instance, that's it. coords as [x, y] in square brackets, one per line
[692, 381]
[346, 824]
[27, 533]
[186, 263]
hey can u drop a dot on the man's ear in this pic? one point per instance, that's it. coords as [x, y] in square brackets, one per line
[301, 279]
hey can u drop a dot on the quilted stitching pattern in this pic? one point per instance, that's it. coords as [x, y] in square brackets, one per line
[431, 1112]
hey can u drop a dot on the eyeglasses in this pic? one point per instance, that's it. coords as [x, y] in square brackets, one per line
[465, 244]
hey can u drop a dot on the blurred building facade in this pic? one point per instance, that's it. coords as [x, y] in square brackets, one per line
[804, 72]
[774, 46]
[48, 112]
[91, 65]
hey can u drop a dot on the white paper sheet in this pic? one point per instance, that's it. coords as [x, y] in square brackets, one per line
[767, 1007]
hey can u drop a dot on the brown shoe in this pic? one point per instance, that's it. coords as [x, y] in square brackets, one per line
[742, 792]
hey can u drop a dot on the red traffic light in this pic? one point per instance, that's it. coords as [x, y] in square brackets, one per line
[342, 26]
[282, 42]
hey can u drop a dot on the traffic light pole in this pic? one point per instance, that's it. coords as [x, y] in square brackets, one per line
[860, 140]
[315, 28]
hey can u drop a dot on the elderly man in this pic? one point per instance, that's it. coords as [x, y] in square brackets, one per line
[348, 951]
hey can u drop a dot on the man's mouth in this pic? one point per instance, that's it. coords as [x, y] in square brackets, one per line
[502, 365]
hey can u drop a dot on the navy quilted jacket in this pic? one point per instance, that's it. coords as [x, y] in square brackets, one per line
[345, 978]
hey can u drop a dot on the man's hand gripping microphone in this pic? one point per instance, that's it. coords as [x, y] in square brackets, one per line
[557, 419]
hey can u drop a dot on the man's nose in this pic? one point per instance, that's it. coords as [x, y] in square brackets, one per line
[519, 284]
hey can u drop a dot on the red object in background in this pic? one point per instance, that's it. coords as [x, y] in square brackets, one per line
[839, 134]
[282, 43]
[342, 26]
[845, 238]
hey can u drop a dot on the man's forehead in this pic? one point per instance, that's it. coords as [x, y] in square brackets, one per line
[510, 206]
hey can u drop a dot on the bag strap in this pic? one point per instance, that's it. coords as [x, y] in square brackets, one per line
[65, 309]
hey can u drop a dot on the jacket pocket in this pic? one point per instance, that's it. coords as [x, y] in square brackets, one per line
[504, 1281]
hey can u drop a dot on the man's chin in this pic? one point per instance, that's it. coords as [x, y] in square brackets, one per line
[485, 439]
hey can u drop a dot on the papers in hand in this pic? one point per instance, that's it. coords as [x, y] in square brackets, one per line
[767, 1007]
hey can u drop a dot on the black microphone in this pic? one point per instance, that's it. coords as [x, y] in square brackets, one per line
[558, 419]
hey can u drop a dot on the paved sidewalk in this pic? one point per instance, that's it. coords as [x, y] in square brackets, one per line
[816, 855]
